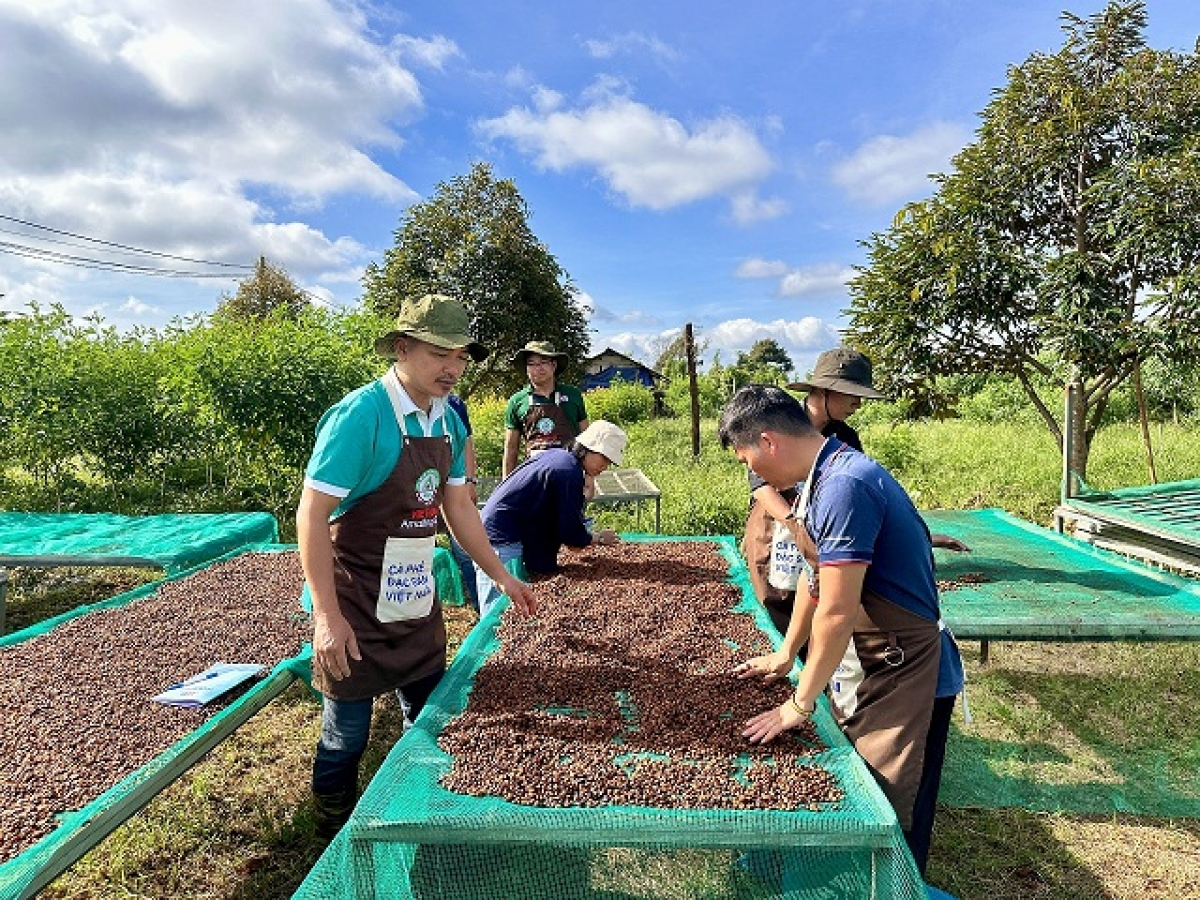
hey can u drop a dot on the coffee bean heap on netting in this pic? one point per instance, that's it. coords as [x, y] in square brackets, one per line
[619, 692]
[75, 709]
[953, 584]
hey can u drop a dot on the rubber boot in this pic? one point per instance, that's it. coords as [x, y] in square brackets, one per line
[331, 812]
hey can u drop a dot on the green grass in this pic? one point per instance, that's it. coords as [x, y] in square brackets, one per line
[239, 824]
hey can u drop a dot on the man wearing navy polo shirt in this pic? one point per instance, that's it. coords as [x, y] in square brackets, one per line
[874, 631]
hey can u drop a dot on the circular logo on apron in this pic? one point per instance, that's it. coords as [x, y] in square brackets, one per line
[544, 426]
[427, 485]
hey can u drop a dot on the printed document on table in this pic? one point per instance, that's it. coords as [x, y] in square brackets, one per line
[208, 685]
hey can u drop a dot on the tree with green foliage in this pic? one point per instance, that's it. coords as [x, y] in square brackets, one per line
[767, 352]
[764, 363]
[472, 241]
[1065, 242]
[269, 289]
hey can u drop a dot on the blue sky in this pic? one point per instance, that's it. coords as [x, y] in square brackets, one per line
[700, 162]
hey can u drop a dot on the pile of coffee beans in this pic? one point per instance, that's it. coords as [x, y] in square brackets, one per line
[967, 578]
[75, 709]
[620, 692]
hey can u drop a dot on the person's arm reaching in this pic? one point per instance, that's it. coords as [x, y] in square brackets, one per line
[472, 470]
[773, 666]
[945, 542]
[512, 445]
[832, 629]
[463, 519]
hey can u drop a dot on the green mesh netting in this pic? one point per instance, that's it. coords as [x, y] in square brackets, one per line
[447, 578]
[1041, 585]
[81, 829]
[174, 541]
[1168, 511]
[411, 838]
[1024, 582]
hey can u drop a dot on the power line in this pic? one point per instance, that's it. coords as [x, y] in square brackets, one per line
[82, 237]
[84, 262]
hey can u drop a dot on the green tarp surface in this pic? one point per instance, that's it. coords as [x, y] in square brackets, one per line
[1024, 582]
[174, 541]
[1041, 585]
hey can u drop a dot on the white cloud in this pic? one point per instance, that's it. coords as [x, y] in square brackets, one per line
[739, 335]
[887, 169]
[646, 156]
[802, 338]
[433, 53]
[209, 90]
[632, 43]
[823, 278]
[597, 313]
[819, 279]
[192, 218]
[761, 268]
[136, 307]
[202, 130]
[749, 208]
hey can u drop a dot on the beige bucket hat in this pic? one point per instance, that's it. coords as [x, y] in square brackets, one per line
[606, 439]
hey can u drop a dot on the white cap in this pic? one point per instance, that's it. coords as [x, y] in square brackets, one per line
[604, 438]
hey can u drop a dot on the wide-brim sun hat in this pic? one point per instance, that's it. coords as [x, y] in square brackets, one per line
[843, 370]
[606, 439]
[541, 348]
[435, 319]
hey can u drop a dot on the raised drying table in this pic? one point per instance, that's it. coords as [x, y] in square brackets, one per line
[1159, 523]
[173, 542]
[1022, 582]
[613, 487]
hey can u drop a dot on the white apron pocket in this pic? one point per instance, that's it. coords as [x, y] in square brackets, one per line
[406, 584]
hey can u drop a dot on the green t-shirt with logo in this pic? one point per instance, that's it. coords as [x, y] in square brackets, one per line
[568, 398]
[358, 444]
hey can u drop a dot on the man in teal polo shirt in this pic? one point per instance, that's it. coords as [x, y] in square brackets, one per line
[544, 413]
[388, 460]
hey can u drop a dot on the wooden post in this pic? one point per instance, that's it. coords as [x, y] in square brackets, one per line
[1145, 420]
[693, 388]
[1067, 488]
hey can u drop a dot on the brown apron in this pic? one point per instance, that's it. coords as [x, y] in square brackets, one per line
[756, 548]
[882, 694]
[394, 653]
[546, 425]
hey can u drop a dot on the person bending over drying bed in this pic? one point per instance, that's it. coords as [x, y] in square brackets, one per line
[875, 634]
[538, 508]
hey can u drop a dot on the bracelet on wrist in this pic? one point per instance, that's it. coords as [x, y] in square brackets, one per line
[804, 713]
[472, 480]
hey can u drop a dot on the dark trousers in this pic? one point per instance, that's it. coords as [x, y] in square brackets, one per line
[925, 807]
[345, 729]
